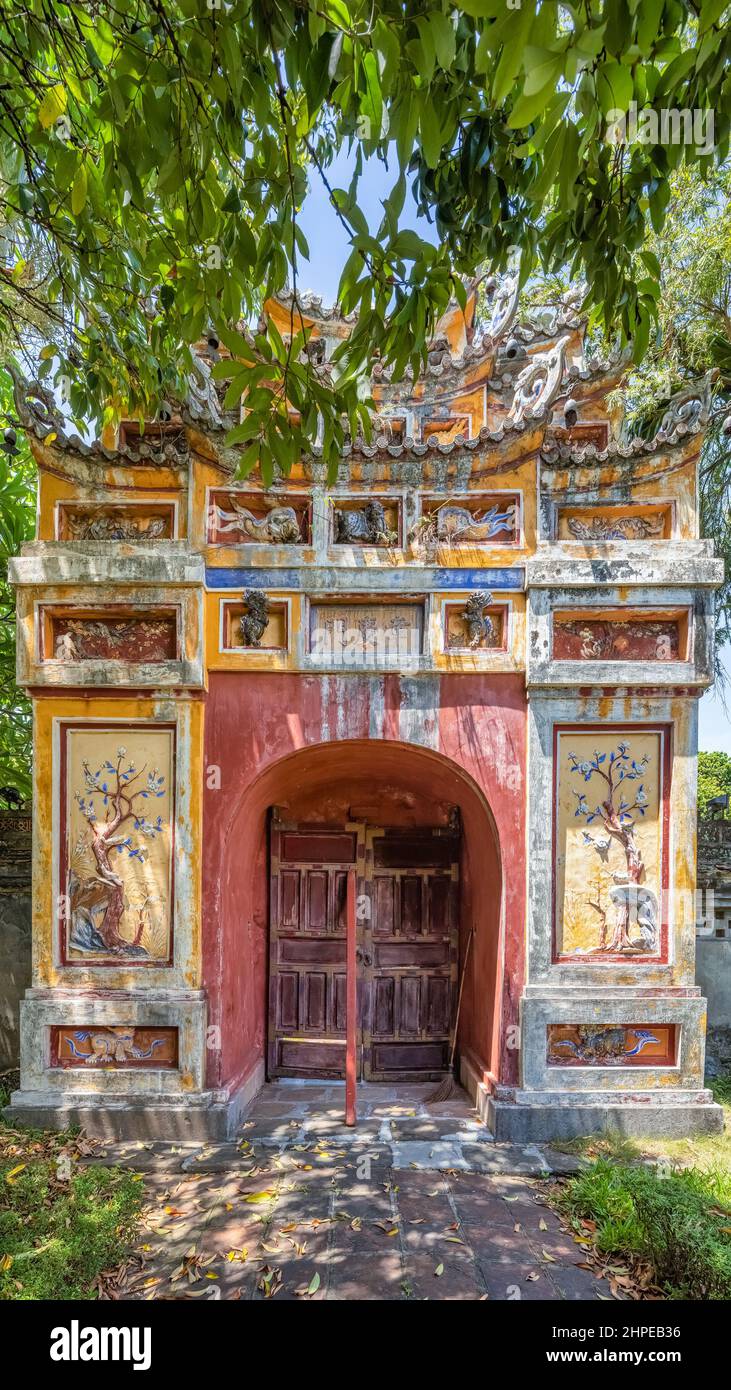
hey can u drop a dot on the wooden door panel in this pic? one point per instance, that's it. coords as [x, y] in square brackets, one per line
[414, 1061]
[410, 953]
[412, 910]
[409, 1011]
[385, 910]
[384, 995]
[314, 1009]
[289, 898]
[288, 1002]
[307, 951]
[339, 1003]
[311, 1059]
[419, 955]
[437, 993]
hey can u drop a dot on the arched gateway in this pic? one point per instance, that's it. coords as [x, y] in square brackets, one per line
[467, 667]
[419, 833]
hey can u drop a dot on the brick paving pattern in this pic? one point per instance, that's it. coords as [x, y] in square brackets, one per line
[417, 1203]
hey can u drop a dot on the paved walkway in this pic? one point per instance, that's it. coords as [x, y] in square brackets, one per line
[418, 1202]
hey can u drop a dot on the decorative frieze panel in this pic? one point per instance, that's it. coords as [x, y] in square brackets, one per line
[256, 518]
[617, 635]
[611, 1045]
[478, 519]
[116, 869]
[628, 523]
[254, 622]
[129, 521]
[350, 633]
[127, 1048]
[610, 846]
[359, 521]
[116, 634]
[476, 623]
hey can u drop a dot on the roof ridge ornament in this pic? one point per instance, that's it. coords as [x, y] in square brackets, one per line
[505, 294]
[539, 383]
[202, 401]
[690, 406]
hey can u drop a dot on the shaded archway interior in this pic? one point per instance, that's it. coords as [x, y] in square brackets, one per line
[387, 784]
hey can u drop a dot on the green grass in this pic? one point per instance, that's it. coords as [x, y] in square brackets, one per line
[57, 1236]
[721, 1087]
[709, 1153]
[678, 1220]
[665, 1202]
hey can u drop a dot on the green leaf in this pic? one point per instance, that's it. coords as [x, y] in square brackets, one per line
[615, 87]
[542, 68]
[648, 23]
[431, 134]
[526, 109]
[511, 58]
[711, 11]
[483, 9]
[78, 191]
[444, 37]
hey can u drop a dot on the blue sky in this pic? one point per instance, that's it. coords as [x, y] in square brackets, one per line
[328, 253]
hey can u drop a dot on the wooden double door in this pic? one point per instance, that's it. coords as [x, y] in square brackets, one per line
[407, 884]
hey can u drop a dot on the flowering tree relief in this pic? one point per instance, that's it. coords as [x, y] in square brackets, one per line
[626, 908]
[111, 899]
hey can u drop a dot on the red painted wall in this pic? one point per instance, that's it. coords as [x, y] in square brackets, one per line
[306, 743]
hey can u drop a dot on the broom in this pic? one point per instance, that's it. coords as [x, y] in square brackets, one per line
[449, 1087]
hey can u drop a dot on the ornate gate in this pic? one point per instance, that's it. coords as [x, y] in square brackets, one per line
[407, 956]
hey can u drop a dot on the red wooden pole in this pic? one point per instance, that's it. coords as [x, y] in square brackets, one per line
[351, 1002]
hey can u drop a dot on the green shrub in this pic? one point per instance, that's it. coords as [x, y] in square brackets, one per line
[680, 1221]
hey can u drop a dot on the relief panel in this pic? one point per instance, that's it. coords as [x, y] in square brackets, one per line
[476, 624]
[254, 622]
[254, 518]
[357, 521]
[610, 851]
[109, 635]
[482, 519]
[611, 1045]
[630, 523]
[349, 633]
[144, 521]
[118, 1047]
[616, 635]
[117, 844]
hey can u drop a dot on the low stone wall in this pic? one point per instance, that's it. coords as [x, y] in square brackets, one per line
[713, 974]
[15, 929]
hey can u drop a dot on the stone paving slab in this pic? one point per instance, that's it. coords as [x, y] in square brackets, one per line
[330, 1232]
[419, 1153]
[463, 1130]
[417, 1202]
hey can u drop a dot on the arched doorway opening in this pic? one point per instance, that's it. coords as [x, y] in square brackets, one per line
[404, 789]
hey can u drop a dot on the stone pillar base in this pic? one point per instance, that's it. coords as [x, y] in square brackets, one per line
[206, 1115]
[527, 1117]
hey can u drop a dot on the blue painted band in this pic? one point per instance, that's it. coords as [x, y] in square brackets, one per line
[513, 578]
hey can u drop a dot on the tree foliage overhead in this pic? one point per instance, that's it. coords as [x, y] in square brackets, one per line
[154, 155]
[692, 337]
[17, 524]
[714, 778]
